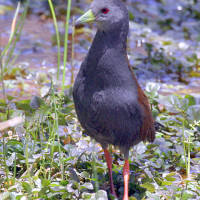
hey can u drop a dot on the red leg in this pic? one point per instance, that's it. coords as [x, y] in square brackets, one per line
[109, 164]
[126, 179]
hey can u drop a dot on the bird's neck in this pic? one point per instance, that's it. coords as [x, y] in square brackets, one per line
[107, 58]
[113, 38]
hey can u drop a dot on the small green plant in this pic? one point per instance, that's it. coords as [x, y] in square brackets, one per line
[187, 114]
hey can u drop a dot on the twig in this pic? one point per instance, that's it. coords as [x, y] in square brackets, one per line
[11, 123]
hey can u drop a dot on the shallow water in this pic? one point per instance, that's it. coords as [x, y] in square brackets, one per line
[37, 54]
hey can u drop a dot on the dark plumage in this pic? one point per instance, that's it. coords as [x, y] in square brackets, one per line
[109, 102]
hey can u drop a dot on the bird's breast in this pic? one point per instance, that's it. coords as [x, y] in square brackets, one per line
[106, 100]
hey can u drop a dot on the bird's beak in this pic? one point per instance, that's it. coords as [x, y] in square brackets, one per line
[87, 17]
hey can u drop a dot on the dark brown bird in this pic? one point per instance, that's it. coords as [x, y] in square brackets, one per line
[109, 102]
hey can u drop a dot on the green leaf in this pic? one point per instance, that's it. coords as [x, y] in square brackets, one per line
[150, 146]
[14, 142]
[4, 195]
[152, 87]
[64, 183]
[100, 170]
[167, 183]
[186, 194]
[171, 102]
[16, 145]
[167, 42]
[170, 179]
[37, 102]
[2, 102]
[158, 181]
[36, 190]
[45, 182]
[10, 98]
[101, 194]
[27, 187]
[73, 175]
[191, 100]
[89, 186]
[131, 15]
[19, 197]
[23, 105]
[171, 174]
[149, 187]
[194, 113]
[5, 8]
[132, 198]
[61, 119]
[188, 181]
[174, 100]
[85, 174]
[184, 104]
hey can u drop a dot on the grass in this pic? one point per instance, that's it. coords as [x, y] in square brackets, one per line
[72, 54]
[57, 35]
[65, 41]
[66, 44]
[8, 51]
[2, 77]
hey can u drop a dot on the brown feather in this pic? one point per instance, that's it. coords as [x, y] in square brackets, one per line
[147, 130]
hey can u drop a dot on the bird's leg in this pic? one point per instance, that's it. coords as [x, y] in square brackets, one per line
[126, 179]
[109, 164]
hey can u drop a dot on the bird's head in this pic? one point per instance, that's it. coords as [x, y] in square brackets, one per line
[106, 13]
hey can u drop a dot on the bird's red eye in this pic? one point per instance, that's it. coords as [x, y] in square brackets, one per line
[105, 10]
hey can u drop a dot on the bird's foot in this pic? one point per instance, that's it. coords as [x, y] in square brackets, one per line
[126, 172]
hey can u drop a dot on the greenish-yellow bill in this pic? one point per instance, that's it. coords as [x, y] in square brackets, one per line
[87, 17]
